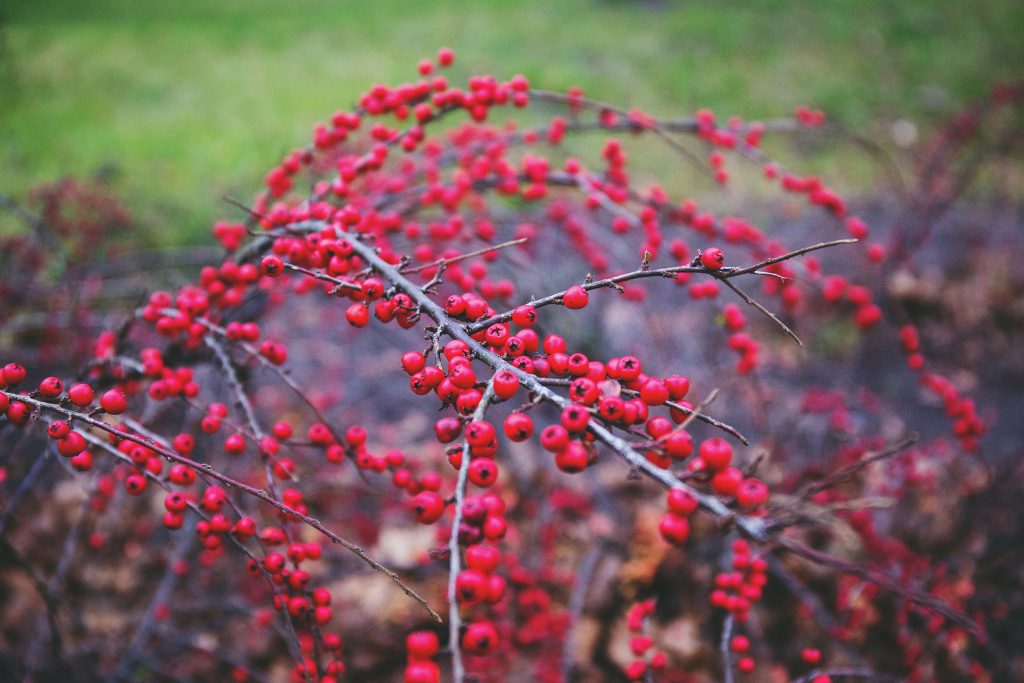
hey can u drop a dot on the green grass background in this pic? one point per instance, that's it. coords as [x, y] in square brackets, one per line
[188, 100]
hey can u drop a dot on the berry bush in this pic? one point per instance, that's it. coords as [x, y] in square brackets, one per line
[470, 397]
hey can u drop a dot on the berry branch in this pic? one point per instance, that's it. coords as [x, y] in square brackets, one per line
[206, 469]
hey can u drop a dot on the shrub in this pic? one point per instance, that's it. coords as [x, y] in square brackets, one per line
[469, 399]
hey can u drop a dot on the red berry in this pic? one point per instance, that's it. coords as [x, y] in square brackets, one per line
[752, 493]
[518, 427]
[298, 606]
[81, 394]
[480, 638]
[716, 453]
[19, 413]
[654, 392]
[181, 475]
[678, 386]
[175, 501]
[524, 316]
[422, 644]
[58, 429]
[482, 557]
[428, 507]
[483, 472]
[71, 444]
[674, 528]
[357, 315]
[373, 288]
[113, 401]
[727, 481]
[681, 502]
[13, 373]
[234, 444]
[712, 258]
[82, 462]
[135, 484]
[576, 297]
[445, 56]
[413, 362]
[272, 266]
[470, 586]
[421, 672]
[51, 387]
[497, 334]
[739, 644]
[679, 444]
[506, 383]
[447, 429]
[575, 418]
[573, 458]
[554, 438]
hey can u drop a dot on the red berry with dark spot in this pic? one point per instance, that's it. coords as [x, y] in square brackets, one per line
[506, 383]
[576, 297]
[480, 638]
[518, 427]
[51, 387]
[712, 258]
[575, 418]
[483, 472]
[470, 586]
[58, 429]
[272, 266]
[428, 507]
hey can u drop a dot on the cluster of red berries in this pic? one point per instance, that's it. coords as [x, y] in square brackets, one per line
[738, 590]
[648, 660]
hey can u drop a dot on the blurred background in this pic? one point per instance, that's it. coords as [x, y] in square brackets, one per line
[177, 104]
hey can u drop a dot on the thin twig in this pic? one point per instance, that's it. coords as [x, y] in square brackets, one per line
[771, 316]
[461, 257]
[845, 472]
[723, 274]
[918, 597]
[338, 284]
[454, 557]
[724, 648]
